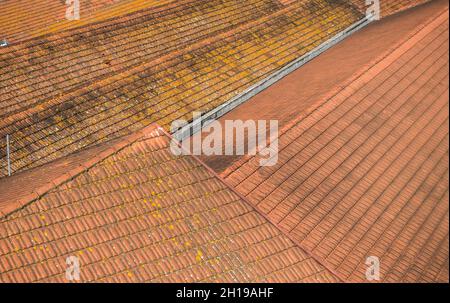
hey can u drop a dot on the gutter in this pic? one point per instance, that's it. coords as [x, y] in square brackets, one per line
[198, 123]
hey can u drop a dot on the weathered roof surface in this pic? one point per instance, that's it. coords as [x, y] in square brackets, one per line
[364, 172]
[299, 90]
[135, 212]
[19, 189]
[64, 92]
[21, 21]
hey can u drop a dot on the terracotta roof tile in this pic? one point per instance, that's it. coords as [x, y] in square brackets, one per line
[20, 21]
[364, 172]
[133, 212]
[389, 7]
[67, 91]
[302, 88]
[142, 214]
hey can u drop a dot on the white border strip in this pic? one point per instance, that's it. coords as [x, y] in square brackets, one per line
[253, 90]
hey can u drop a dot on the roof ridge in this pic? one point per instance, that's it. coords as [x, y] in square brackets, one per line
[288, 236]
[126, 141]
[35, 194]
[371, 69]
[122, 75]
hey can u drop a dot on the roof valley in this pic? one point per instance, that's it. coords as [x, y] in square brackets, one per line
[238, 176]
[128, 104]
[364, 74]
[261, 213]
[79, 174]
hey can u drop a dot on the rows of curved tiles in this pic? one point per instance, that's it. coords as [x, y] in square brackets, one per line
[64, 92]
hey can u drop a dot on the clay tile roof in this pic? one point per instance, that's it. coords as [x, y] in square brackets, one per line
[389, 7]
[20, 21]
[63, 92]
[364, 172]
[134, 212]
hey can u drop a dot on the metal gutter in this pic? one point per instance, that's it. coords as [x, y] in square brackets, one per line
[197, 124]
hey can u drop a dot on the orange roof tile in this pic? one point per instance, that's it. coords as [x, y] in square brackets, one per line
[20, 21]
[389, 7]
[364, 172]
[135, 212]
[303, 87]
[63, 92]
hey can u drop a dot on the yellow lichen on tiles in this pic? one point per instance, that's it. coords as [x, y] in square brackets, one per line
[204, 85]
[44, 18]
[199, 256]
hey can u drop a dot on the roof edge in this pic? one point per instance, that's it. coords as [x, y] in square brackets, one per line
[372, 68]
[365, 73]
[40, 191]
[246, 201]
[270, 80]
[150, 131]
[123, 74]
